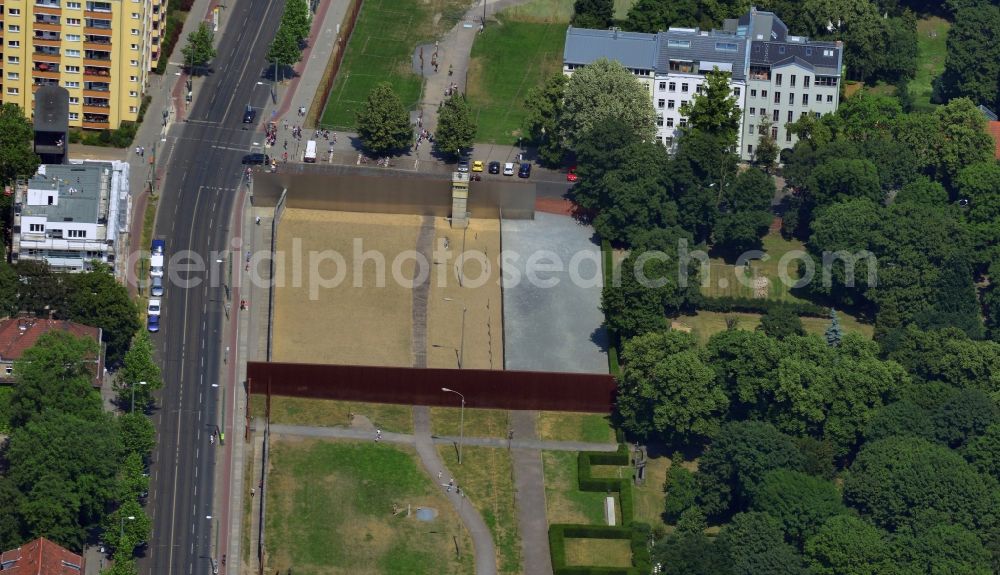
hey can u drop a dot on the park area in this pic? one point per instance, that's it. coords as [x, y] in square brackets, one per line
[335, 507]
[380, 50]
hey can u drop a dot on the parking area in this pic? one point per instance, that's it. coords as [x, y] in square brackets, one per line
[552, 296]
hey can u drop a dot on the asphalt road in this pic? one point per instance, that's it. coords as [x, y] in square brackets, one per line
[197, 198]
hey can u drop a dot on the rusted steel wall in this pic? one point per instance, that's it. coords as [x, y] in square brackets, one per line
[592, 393]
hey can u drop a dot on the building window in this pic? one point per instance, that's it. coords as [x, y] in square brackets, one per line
[736, 91]
[659, 120]
[133, 93]
[73, 69]
[13, 59]
[781, 49]
[670, 122]
[13, 44]
[684, 88]
[805, 81]
[673, 86]
[36, 228]
[13, 28]
[74, 116]
[71, 84]
[763, 112]
[77, 233]
[133, 110]
[670, 105]
[12, 91]
[753, 93]
[663, 85]
[72, 21]
[774, 132]
[136, 15]
[791, 99]
[777, 97]
[792, 81]
[788, 135]
[134, 62]
[9, 369]
[74, 100]
[829, 98]
[828, 53]
[753, 111]
[750, 129]
[805, 99]
[777, 79]
[135, 46]
[72, 37]
[763, 93]
[73, 5]
[72, 52]
[826, 81]
[135, 32]
[133, 78]
[13, 76]
[684, 122]
[774, 117]
[816, 115]
[750, 149]
[14, 11]
[661, 103]
[803, 114]
[790, 116]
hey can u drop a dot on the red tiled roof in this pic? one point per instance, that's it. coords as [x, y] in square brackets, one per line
[20, 333]
[40, 557]
[994, 129]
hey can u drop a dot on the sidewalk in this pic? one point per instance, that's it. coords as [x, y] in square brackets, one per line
[529, 494]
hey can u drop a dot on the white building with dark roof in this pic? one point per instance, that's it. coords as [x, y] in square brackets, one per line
[71, 214]
[773, 75]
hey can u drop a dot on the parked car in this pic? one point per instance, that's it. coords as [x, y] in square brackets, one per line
[463, 165]
[571, 175]
[156, 287]
[524, 171]
[494, 167]
[477, 166]
[153, 323]
[156, 258]
[256, 159]
[508, 169]
[153, 307]
[249, 115]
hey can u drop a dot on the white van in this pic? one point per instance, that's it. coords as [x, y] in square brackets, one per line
[310, 152]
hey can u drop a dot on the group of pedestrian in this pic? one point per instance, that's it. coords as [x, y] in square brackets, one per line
[297, 132]
[378, 435]
[139, 151]
[451, 89]
[325, 134]
[421, 136]
[302, 111]
[271, 134]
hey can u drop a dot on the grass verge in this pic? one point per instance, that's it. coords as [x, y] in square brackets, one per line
[569, 426]
[486, 476]
[932, 36]
[725, 280]
[381, 50]
[329, 413]
[330, 510]
[706, 323]
[478, 422]
[649, 498]
[564, 502]
[599, 552]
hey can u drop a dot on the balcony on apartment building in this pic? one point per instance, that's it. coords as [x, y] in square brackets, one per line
[98, 58]
[760, 73]
[96, 89]
[96, 26]
[45, 70]
[683, 67]
[97, 106]
[97, 71]
[45, 38]
[97, 9]
[96, 41]
[47, 7]
[46, 22]
[48, 54]
[95, 121]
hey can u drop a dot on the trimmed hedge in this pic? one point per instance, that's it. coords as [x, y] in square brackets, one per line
[761, 306]
[607, 257]
[637, 535]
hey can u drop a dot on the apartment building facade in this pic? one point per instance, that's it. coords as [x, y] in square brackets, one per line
[772, 75]
[71, 214]
[101, 51]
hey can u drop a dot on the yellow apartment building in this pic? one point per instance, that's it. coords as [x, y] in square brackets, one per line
[101, 51]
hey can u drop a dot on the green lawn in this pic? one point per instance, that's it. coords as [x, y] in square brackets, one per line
[726, 280]
[330, 413]
[477, 423]
[380, 50]
[932, 34]
[330, 510]
[508, 60]
[486, 476]
[564, 502]
[568, 426]
[706, 323]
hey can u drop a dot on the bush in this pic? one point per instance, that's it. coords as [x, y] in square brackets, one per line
[636, 533]
[761, 306]
[171, 32]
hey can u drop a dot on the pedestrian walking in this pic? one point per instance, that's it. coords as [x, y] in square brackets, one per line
[284, 157]
[285, 144]
[258, 220]
[378, 435]
[252, 491]
[440, 473]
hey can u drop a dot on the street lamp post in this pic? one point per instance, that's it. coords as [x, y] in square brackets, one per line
[461, 345]
[133, 393]
[461, 422]
[121, 532]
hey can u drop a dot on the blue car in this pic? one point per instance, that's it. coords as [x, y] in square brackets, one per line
[153, 323]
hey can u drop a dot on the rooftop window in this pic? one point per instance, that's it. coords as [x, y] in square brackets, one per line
[727, 46]
[679, 43]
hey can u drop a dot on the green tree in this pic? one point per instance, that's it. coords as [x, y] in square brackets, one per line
[9, 287]
[137, 435]
[690, 554]
[736, 462]
[983, 452]
[756, 545]
[456, 128]
[284, 51]
[127, 527]
[593, 13]
[964, 417]
[844, 179]
[942, 548]
[55, 375]
[767, 150]
[979, 184]
[95, 298]
[899, 418]
[637, 197]
[780, 322]
[681, 490]
[894, 480]
[652, 16]
[715, 110]
[297, 19]
[139, 376]
[17, 154]
[692, 520]
[834, 333]
[384, 124]
[745, 361]
[667, 390]
[605, 91]
[746, 212]
[11, 524]
[132, 479]
[200, 47]
[800, 502]
[972, 66]
[848, 545]
[123, 564]
[544, 105]
[961, 141]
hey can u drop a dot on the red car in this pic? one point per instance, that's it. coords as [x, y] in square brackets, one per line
[571, 175]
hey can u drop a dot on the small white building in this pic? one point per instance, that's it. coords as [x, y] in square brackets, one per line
[71, 214]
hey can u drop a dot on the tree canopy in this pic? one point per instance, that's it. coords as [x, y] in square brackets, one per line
[17, 152]
[456, 129]
[200, 48]
[605, 91]
[384, 124]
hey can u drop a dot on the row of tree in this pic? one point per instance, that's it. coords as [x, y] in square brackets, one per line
[822, 456]
[289, 41]
[72, 468]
